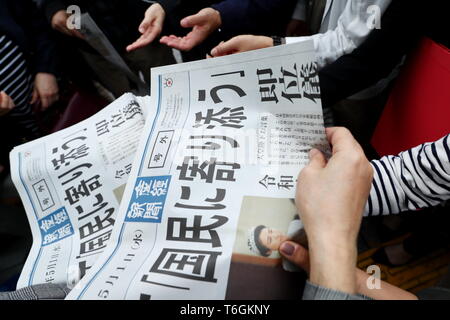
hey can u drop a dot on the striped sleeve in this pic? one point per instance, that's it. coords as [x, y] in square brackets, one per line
[415, 179]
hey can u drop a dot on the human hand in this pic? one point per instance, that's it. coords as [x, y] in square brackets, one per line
[59, 23]
[297, 28]
[241, 44]
[330, 198]
[150, 27]
[331, 195]
[6, 103]
[205, 22]
[45, 90]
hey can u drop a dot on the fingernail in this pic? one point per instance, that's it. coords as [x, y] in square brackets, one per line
[287, 248]
[213, 52]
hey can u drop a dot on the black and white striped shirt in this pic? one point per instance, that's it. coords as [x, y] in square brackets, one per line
[415, 179]
[16, 82]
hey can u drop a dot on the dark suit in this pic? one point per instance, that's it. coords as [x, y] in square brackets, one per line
[269, 17]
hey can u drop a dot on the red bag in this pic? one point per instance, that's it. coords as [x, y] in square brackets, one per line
[418, 109]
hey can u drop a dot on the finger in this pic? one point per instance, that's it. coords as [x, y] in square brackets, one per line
[50, 100]
[34, 96]
[193, 20]
[11, 104]
[77, 34]
[64, 30]
[296, 254]
[6, 102]
[45, 102]
[146, 23]
[317, 159]
[171, 42]
[225, 48]
[139, 43]
[183, 44]
[150, 35]
[340, 139]
[165, 40]
[191, 40]
[3, 100]
[53, 99]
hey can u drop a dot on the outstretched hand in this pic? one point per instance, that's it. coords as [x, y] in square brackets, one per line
[204, 23]
[150, 27]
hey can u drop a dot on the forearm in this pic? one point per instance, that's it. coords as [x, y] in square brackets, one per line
[385, 291]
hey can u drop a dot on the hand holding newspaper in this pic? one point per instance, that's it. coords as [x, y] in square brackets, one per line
[208, 199]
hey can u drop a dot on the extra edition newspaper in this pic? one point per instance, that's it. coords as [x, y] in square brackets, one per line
[71, 183]
[209, 197]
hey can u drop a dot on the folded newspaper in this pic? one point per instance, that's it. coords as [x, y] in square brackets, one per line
[209, 196]
[71, 183]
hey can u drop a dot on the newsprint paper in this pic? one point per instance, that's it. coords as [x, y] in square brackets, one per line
[71, 183]
[209, 196]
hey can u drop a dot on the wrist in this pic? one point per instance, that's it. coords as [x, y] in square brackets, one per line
[333, 266]
[331, 239]
[217, 18]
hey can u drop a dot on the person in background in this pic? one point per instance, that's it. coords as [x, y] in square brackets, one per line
[212, 21]
[119, 21]
[338, 28]
[27, 72]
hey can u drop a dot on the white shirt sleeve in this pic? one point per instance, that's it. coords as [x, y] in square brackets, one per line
[351, 30]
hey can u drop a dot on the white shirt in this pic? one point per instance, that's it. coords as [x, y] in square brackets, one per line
[345, 25]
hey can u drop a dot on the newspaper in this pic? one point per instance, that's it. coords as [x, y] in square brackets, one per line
[210, 193]
[71, 183]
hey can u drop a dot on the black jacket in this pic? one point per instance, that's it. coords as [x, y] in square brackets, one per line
[26, 26]
[403, 25]
[118, 19]
[268, 17]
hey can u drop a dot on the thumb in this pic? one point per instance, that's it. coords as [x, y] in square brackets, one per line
[34, 96]
[144, 25]
[296, 254]
[225, 48]
[317, 159]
